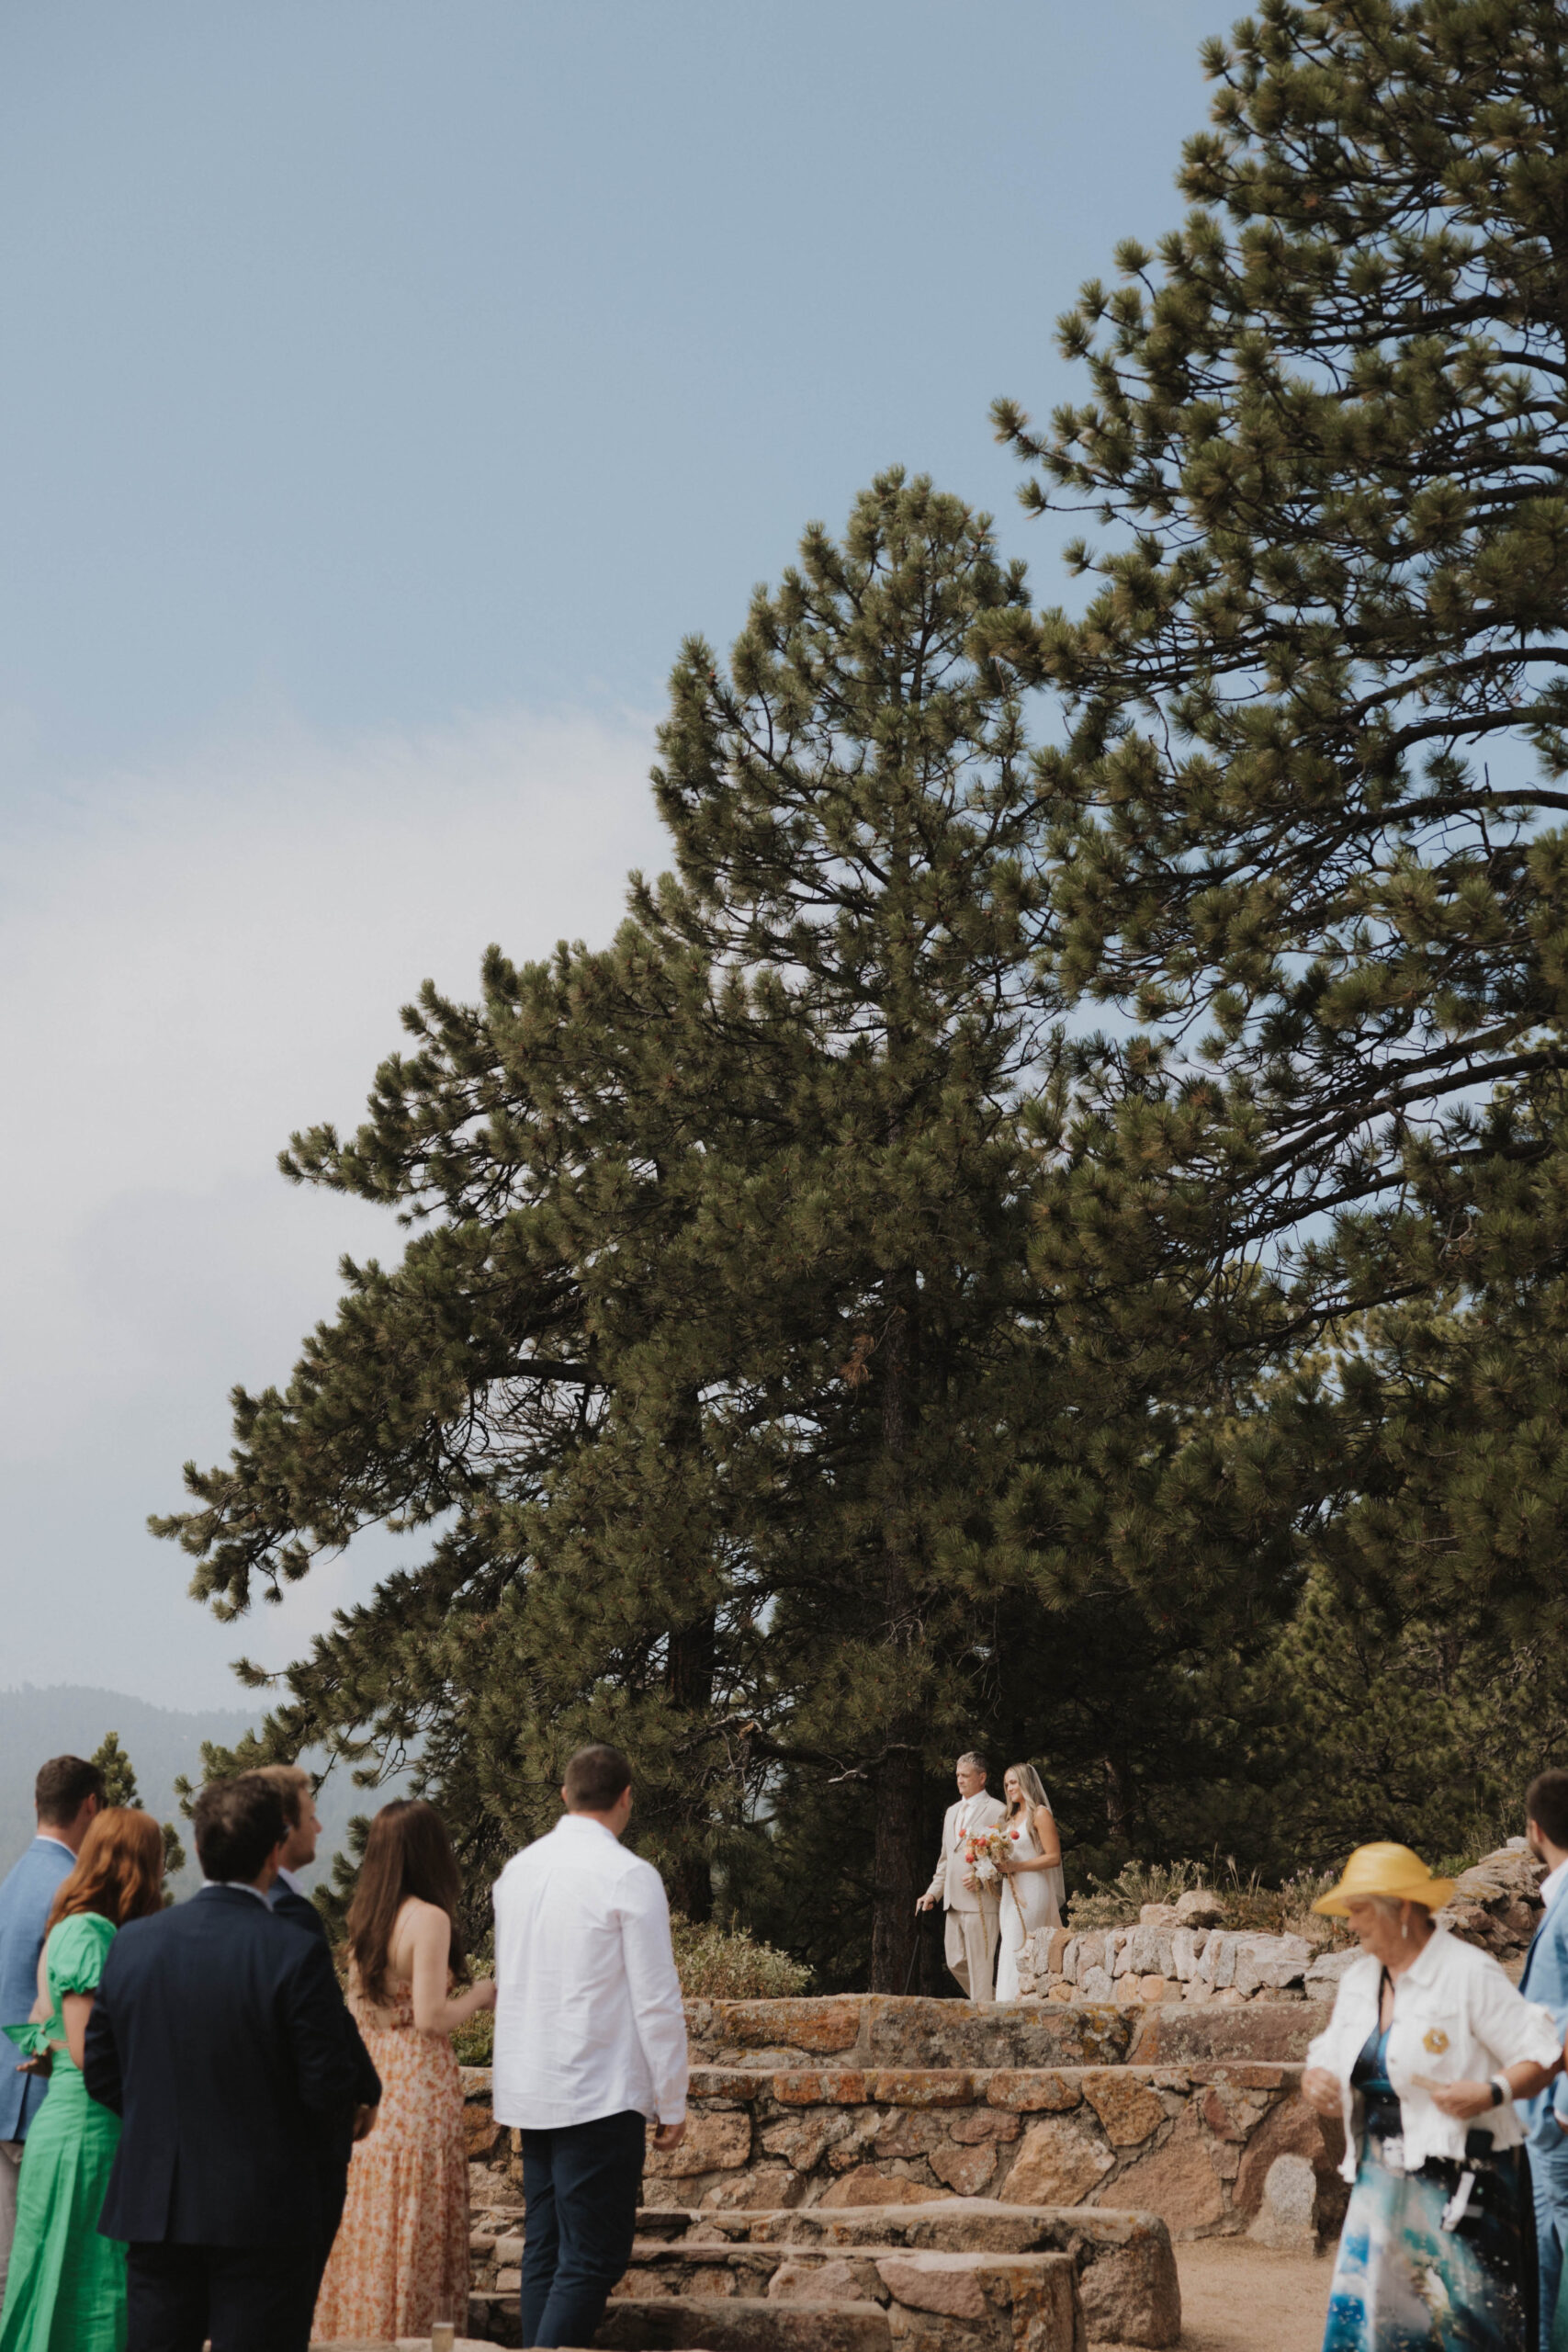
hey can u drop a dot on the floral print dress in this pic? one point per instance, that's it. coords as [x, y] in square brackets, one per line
[401, 2257]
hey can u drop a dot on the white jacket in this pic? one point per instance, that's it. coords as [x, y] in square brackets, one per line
[1456, 2019]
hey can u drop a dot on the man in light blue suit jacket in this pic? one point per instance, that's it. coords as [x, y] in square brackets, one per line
[66, 1794]
[1546, 1980]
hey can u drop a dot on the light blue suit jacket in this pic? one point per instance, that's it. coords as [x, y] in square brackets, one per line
[25, 1893]
[1546, 1980]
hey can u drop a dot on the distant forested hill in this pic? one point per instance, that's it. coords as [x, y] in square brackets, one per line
[161, 1742]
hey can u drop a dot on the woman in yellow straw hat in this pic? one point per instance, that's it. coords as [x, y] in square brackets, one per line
[1426, 2051]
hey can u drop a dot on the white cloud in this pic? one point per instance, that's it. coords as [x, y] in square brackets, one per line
[195, 960]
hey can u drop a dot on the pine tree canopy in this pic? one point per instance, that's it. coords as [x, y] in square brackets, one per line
[1318, 696]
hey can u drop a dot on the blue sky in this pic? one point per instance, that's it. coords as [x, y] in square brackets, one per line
[389, 389]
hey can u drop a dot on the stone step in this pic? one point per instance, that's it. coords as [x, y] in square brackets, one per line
[1020, 2090]
[1263, 2032]
[963, 2303]
[687, 2323]
[1124, 2263]
[884, 2029]
[1115, 2311]
[1126, 2268]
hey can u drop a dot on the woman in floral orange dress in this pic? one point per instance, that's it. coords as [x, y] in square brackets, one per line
[401, 2257]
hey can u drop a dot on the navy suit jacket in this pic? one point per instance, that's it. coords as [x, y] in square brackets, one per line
[217, 2036]
[299, 1909]
[26, 1895]
[1546, 1980]
[301, 1912]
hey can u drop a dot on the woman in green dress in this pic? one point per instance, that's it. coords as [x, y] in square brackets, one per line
[66, 2289]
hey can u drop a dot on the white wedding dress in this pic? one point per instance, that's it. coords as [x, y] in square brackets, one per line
[1037, 1905]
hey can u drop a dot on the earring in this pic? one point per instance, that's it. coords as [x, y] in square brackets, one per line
[1404, 1931]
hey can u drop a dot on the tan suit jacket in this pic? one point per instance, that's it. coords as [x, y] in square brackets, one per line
[947, 1880]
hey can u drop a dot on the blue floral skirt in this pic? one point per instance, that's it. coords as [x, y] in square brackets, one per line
[1403, 2283]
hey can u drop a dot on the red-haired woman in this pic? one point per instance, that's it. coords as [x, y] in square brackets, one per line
[66, 2289]
[401, 2257]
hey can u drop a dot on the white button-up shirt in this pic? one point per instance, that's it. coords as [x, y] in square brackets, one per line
[588, 2014]
[1456, 2019]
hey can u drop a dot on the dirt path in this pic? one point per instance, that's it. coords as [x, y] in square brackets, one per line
[1242, 2298]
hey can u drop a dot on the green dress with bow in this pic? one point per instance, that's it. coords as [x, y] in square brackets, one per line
[66, 2288]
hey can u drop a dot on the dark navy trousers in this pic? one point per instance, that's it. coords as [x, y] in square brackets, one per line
[581, 2182]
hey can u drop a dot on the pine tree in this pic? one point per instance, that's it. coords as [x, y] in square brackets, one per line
[120, 1788]
[1451, 1405]
[1319, 694]
[715, 1347]
[1306, 835]
[520, 1376]
[854, 816]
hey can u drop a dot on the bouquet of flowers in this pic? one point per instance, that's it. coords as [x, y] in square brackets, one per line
[983, 1849]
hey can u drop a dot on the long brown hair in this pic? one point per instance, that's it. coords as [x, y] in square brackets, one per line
[407, 1852]
[118, 1872]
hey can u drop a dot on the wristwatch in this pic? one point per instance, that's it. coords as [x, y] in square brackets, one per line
[1502, 2089]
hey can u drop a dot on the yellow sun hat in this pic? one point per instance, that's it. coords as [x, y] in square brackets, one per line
[1392, 1870]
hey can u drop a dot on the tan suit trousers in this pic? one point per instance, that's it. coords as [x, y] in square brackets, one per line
[971, 1947]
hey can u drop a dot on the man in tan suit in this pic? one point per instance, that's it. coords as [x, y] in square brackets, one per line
[974, 1911]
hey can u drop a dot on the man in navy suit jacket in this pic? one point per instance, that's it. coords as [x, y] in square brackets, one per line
[291, 1902]
[1546, 1980]
[217, 2036]
[66, 1795]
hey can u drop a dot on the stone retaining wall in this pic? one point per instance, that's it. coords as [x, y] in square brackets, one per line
[1192, 2144]
[856, 2169]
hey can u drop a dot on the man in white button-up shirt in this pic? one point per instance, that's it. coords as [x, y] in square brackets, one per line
[590, 2043]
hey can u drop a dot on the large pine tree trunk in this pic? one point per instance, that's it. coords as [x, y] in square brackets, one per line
[897, 1786]
[688, 1678]
[1115, 1799]
[897, 1789]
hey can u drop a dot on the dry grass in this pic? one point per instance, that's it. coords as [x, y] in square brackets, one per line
[1248, 1904]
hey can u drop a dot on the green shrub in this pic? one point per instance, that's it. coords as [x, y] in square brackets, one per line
[718, 1963]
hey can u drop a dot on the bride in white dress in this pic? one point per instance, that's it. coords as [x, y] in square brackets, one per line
[1032, 1896]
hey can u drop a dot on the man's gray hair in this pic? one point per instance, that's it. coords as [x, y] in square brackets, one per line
[976, 1762]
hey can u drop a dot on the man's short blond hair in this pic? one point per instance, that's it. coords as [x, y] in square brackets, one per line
[292, 1782]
